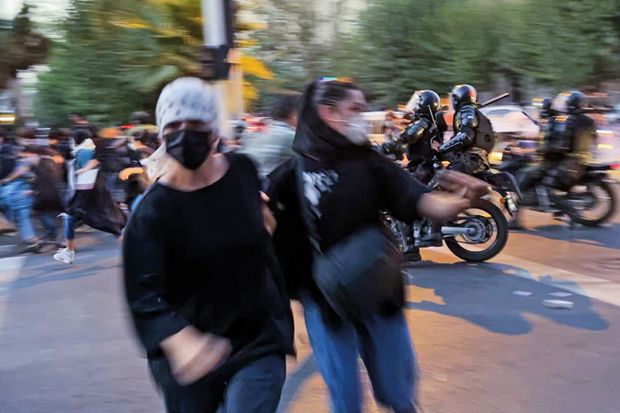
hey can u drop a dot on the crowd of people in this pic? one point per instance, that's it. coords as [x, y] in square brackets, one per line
[44, 180]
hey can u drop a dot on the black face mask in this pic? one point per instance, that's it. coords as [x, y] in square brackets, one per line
[189, 147]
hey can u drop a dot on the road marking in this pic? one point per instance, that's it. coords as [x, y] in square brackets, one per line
[582, 284]
[10, 269]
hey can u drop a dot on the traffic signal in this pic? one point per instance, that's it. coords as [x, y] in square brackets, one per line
[215, 65]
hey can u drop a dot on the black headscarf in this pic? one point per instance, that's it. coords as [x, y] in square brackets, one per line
[314, 138]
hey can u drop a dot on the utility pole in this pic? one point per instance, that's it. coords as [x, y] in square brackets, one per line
[218, 30]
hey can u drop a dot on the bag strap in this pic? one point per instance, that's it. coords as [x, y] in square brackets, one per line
[306, 214]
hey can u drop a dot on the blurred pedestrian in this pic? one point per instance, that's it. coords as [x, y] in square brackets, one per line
[274, 146]
[327, 200]
[202, 283]
[8, 154]
[8, 159]
[235, 142]
[111, 147]
[239, 131]
[17, 197]
[80, 122]
[141, 118]
[92, 203]
[137, 184]
[60, 141]
[47, 190]
[142, 145]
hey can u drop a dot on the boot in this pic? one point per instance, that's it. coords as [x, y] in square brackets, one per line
[412, 255]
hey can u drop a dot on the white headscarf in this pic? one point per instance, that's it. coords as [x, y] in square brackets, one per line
[187, 98]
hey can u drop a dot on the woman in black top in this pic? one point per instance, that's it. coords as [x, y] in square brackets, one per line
[346, 185]
[201, 278]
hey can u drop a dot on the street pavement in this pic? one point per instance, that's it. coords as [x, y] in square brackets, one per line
[484, 339]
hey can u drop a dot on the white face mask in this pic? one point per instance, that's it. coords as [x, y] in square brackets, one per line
[357, 130]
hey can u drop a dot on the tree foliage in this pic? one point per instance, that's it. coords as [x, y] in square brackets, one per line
[116, 56]
[20, 47]
[403, 45]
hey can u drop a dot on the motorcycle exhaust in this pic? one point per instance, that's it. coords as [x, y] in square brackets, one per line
[457, 231]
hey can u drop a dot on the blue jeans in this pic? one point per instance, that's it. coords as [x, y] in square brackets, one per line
[385, 347]
[255, 388]
[70, 223]
[135, 202]
[18, 201]
[48, 221]
[23, 219]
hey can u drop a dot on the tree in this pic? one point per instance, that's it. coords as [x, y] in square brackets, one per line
[289, 44]
[20, 47]
[402, 45]
[408, 45]
[116, 56]
[88, 67]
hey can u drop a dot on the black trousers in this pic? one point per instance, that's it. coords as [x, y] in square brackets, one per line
[255, 388]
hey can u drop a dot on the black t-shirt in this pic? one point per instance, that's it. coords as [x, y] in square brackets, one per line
[345, 195]
[108, 155]
[349, 194]
[205, 258]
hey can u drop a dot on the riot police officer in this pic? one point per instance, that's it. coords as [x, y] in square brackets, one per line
[473, 137]
[569, 148]
[568, 138]
[424, 134]
[532, 174]
[547, 112]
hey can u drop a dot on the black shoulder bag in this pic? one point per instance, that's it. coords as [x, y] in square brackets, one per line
[358, 276]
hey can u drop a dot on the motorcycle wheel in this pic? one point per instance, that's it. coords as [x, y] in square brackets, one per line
[491, 221]
[599, 191]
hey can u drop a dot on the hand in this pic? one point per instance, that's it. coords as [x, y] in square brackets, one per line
[516, 150]
[460, 191]
[270, 221]
[402, 123]
[193, 354]
[463, 185]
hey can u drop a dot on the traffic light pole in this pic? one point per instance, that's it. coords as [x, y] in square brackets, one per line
[215, 35]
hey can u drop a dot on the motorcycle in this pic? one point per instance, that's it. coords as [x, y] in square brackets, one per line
[477, 234]
[593, 197]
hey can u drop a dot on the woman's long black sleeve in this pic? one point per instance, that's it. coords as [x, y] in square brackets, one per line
[401, 191]
[143, 252]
